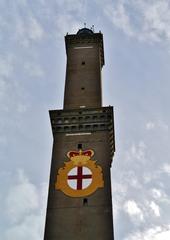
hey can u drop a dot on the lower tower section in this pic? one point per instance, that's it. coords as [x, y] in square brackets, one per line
[79, 201]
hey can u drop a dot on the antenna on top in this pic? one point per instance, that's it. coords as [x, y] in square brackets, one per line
[92, 28]
[84, 25]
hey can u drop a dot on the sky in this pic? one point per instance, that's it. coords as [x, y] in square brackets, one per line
[136, 81]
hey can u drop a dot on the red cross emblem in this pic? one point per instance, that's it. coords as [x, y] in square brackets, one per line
[79, 178]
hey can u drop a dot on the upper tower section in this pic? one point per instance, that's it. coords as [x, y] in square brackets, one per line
[85, 59]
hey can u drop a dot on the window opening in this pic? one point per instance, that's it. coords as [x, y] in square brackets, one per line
[85, 202]
[79, 146]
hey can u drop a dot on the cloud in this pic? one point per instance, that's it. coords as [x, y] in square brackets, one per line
[26, 26]
[164, 126]
[66, 23]
[22, 198]
[19, 24]
[156, 193]
[145, 20]
[156, 233]
[72, 5]
[133, 210]
[27, 30]
[137, 151]
[35, 30]
[69, 16]
[157, 19]
[29, 228]
[155, 209]
[23, 208]
[119, 17]
[119, 192]
[160, 196]
[150, 125]
[166, 168]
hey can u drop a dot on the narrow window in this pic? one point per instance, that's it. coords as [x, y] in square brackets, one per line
[79, 146]
[83, 63]
[82, 88]
[85, 202]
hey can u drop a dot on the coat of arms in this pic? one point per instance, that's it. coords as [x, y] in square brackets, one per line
[80, 176]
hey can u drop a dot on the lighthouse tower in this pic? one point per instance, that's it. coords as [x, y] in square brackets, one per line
[79, 200]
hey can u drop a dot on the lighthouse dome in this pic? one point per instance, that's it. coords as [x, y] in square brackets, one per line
[84, 31]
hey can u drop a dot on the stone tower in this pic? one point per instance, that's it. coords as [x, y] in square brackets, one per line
[79, 200]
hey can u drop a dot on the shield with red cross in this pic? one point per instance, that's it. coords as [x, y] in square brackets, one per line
[79, 178]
